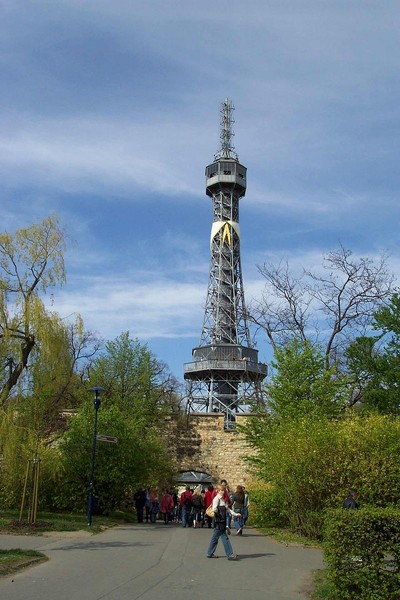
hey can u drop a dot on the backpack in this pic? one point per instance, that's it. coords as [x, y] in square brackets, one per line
[187, 503]
[197, 501]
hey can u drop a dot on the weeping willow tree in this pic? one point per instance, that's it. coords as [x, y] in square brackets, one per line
[31, 262]
[44, 359]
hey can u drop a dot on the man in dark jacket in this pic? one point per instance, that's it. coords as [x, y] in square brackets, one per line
[139, 499]
[350, 501]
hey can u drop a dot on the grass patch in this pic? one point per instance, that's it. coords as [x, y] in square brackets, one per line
[16, 559]
[288, 537]
[323, 588]
[46, 521]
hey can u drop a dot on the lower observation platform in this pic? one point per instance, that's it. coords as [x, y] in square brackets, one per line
[225, 359]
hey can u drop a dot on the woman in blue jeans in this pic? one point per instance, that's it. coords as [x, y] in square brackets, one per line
[220, 509]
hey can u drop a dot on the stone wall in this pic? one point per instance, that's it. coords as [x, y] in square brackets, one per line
[201, 444]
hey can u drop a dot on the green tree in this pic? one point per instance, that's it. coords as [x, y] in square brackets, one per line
[139, 393]
[374, 362]
[301, 384]
[46, 359]
[19, 444]
[31, 262]
[134, 379]
[139, 458]
[57, 374]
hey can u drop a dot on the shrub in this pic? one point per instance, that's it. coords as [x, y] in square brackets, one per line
[311, 462]
[362, 551]
[266, 508]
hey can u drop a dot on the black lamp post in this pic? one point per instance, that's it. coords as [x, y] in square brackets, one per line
[96, 403]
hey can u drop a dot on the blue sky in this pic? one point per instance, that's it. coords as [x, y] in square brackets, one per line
[110, 113]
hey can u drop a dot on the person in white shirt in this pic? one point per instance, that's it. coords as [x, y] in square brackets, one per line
[220, 509]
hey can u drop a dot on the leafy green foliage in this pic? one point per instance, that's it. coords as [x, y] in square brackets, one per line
[302, 384]
[132, 410]
[134, 379]
[31, 260]
[49, 366]
[312, 461]
[139, 458]
[323, 588]
[267, 507]
[362, 551]
[374, 362]
[19, 444]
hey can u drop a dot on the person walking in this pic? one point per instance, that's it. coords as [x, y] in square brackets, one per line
[208, 498]
[139, 499]
[175, 512]
[154, 510]
[149, 500]
[238, 507]
[197, 508]
[221, 509]
[228, 501]
[186, 505]
[166, 506]
[246, 505]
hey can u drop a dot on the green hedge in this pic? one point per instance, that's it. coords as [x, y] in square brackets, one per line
[362, 552]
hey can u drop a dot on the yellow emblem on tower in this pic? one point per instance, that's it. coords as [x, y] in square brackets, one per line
[226, 228]
[226, 234]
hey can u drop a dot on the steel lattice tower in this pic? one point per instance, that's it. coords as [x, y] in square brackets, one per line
[225, 375]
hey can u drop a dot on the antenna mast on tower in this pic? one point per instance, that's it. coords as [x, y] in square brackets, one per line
[226, 135]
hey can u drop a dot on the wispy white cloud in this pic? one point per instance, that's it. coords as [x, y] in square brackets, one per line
[109, 114]
[86, 155]
[159, 308]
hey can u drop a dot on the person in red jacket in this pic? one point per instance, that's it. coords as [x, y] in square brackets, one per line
[186, 501]
[208, 498]
[167, 506]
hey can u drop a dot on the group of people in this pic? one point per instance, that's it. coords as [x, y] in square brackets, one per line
[148, 505]
[190, 508]
[194, 506]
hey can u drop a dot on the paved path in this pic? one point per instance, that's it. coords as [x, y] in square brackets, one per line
[158, 561]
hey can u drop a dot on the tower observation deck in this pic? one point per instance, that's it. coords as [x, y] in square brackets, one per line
[225, 375]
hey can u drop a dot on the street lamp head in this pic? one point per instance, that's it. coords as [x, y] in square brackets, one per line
[97, 393]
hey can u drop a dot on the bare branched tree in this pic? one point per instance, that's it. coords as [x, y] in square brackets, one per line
[331, 306]
[83, 346]
[283, 312]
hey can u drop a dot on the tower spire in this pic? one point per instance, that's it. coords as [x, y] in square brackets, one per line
[225, 375]
[226, 136]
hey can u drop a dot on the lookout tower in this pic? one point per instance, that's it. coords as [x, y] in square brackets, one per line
[225, 375]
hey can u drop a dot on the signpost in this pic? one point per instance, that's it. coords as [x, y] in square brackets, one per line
[107, 438]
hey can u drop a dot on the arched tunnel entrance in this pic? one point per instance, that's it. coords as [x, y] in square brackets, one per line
[193, 478]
